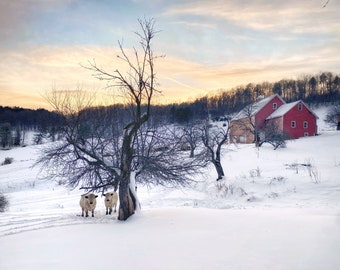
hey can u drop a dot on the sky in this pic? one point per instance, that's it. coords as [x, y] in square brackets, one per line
[208, 44]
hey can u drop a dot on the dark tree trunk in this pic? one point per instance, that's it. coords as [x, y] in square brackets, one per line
[217, 162]
[126, 202]
[192, 152]
[219, 170]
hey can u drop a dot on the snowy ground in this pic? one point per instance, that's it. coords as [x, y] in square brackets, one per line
[267, 214]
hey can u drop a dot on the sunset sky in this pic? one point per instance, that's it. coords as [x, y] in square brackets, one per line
[208, 44]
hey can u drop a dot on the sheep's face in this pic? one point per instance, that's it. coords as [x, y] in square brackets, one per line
[108, 196]
[91, 198]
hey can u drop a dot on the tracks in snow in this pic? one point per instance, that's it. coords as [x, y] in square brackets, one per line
[13, 223]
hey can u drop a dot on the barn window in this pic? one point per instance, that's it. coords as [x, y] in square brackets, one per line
[306, 134]
[305, 124]
[293, 124]
[300, 106]
[274, 106]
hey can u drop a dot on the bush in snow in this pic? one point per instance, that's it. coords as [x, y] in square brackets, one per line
[3, 203]
[7, 161]
[309, 166]
[312, 171]
[277, 180]
[224, 189]
[255, 173]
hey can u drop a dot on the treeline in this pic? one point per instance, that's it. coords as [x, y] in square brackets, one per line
[312, 89]
[28, 118]
[15, 122]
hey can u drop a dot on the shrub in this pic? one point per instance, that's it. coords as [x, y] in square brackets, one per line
[255, 172]
[277, 180]
[312, 171]
[3, 203]
[223, 189]
[7, 161]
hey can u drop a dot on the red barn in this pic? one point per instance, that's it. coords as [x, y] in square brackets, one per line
[253, 116]
[265, 107]
[294, 119]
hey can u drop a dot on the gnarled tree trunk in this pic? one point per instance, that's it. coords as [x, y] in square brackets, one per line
[126, 200]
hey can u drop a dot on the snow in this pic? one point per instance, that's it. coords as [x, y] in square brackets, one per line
[257, 106]
[268, 213]
[185, 238]
[283, 109]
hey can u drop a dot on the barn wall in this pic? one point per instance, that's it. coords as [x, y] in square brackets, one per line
[240, 131]
[300, 117]
[266, 111]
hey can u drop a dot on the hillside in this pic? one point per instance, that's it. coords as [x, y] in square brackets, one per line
[275, 210]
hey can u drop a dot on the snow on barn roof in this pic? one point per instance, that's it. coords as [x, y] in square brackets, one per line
[283, 109]
[286, 108]
[254, 108]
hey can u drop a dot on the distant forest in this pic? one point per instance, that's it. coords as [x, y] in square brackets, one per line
[312, 89]
[15, 122]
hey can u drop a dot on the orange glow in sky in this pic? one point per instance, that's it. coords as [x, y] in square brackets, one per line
[208, 45]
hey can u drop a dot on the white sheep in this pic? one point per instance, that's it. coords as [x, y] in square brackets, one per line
[88, 203]
[111, 199]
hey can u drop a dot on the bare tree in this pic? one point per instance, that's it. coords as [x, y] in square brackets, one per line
[332, 116]
[274, 136]
[213, 138]
[191, 136]
[159, 158]
[87, 154]
[245, 121]
[140, 86]
[100, 151]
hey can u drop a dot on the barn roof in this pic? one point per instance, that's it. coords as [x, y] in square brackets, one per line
[256, 107]
[281, 111]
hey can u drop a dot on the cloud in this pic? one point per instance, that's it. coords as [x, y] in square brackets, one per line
[275, 16]
[27, 73]
[18, 17]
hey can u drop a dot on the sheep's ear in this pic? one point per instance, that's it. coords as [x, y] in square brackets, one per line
[86, 197]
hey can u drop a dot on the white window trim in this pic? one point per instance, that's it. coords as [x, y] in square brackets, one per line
[274, 106]
[293, 124]
[306, 134]
[300, 106]
[305, 124]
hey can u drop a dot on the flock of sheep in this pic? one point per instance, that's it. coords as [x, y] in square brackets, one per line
[88, 203]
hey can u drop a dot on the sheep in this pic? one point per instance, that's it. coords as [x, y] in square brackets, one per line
[88, 203]
[111, 199]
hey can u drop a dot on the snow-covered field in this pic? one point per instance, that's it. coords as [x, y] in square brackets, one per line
[267, 214]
